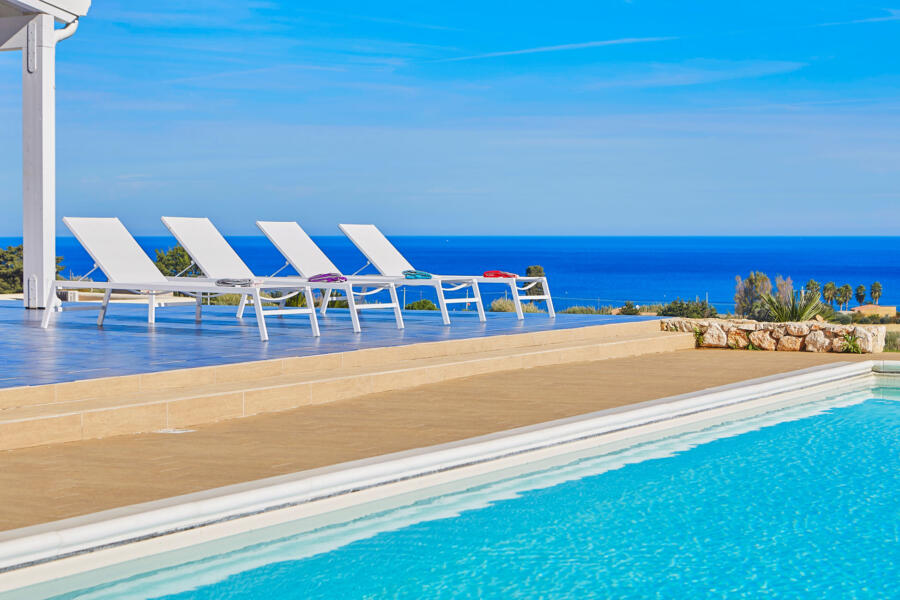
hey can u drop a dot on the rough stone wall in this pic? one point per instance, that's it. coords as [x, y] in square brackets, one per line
[812, 336]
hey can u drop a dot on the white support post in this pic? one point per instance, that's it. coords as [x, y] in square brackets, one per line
[39, 159]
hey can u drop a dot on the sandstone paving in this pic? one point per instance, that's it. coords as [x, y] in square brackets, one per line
[52, 482]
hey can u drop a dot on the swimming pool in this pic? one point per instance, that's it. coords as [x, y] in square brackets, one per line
[793, 499]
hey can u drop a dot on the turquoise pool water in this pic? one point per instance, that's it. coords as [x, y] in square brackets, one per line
[802, 503]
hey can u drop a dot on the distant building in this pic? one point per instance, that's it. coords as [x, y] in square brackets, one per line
[875, 309]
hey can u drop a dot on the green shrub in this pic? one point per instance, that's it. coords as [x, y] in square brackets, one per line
[851, 344]
[225, 299]
[176, 261]
[698, 337]
[535, 271]
[629, 309]
[580, 310]
[749, 294]
[531, 307]
[337, 299]
[872, 319]
[694, 309]
[423, 304]
[299, 301]
[892, 341]
[507, 305]
[11, 261]
[234, 299]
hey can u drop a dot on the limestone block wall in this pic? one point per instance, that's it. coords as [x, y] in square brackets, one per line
[811, 336]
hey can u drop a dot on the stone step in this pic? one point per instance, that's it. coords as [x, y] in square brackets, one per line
[183, 407]
[107, 387]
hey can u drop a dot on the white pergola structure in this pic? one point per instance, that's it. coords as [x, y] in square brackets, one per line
[30, 26]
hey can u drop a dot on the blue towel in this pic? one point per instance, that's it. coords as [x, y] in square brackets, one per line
[416, 274]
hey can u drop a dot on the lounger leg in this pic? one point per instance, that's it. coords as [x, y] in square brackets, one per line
[550, 309]
[442, 303]
[49, 306]
[103, 306]
[354, 312]
[241, 306]
[151, 308]
[520, 315]
[311, 304]
[479, 305]
[326, 298]
[398, 314]
[260, 318]
[198, 312]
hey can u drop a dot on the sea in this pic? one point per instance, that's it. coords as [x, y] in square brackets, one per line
[595, 271]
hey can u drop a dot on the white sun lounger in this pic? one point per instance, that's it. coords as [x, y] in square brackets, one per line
[307, 258]
[391, 264]
[379, 251]
[217, 259]
[127, 267]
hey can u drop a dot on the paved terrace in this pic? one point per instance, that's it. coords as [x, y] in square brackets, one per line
[74, 348]
[52, 482]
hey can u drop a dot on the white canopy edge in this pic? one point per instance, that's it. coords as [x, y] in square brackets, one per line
[64, 11]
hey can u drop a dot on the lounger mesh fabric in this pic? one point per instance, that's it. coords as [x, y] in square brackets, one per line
[114, 250]
[208, 248]
[297, 247]
[377, 249]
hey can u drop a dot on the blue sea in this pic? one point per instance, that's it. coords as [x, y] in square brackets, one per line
[599, 270]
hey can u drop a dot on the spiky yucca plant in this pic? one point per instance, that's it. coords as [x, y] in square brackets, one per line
[800, 307]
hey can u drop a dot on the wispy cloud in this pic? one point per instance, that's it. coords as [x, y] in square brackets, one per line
[893, 15]
[698, 72]
[383, 20]
[241, 72]
[561, 48]
[403, 23]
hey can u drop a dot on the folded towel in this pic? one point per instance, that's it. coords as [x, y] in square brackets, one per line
[413, 274]
[500, 274]
[328, 278]
[234, 282]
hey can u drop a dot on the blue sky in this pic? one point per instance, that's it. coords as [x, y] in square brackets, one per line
[596, 118]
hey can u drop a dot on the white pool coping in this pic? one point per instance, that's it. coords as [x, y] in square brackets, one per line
[52, 550]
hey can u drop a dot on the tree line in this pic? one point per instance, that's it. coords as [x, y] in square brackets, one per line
[750, 293]
[11, 262]
[843, 294]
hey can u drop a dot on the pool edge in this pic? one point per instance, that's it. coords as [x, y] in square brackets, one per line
[45, 543]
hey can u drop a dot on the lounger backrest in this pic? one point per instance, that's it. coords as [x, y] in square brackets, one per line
[297, 247]
[207, 247]
[380, 252]
[114, 250]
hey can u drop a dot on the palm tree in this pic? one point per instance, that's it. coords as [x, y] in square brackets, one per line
[813, 288]
[875, 292]
[861, 294]
[844, 294]
[829, 292]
